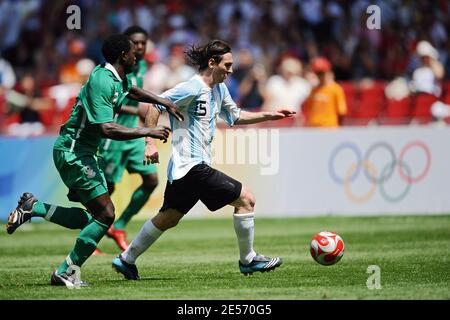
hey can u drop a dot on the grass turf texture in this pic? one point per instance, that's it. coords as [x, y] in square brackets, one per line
[199, 260]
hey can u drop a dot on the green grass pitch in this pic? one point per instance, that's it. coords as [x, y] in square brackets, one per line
[199, 260]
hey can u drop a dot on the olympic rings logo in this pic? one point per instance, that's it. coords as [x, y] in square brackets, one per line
[379, 176]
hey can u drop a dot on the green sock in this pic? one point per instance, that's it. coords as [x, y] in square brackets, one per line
[85, 244]
[138, 200]
[72, 218]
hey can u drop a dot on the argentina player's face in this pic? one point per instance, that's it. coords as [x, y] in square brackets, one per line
[224, 68]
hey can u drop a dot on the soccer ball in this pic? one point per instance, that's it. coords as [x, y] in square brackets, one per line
[327, 248]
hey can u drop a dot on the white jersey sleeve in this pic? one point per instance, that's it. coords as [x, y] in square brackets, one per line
[182, 95]
[229, 111]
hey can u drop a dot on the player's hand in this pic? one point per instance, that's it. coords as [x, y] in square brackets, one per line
[283, 113]
[160, 132]
[151, 154]
[173, 110]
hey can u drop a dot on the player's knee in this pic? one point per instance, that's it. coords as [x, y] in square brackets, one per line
[251, 201]
[165, 221]
[107, 215]
[150, 182]
[248, 200]
[171, 223]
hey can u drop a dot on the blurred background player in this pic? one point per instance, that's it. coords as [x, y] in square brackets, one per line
[190, 177]
[74, 155]
[325, 106]
[121, 155]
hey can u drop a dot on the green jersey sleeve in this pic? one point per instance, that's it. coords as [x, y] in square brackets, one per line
[100, 98]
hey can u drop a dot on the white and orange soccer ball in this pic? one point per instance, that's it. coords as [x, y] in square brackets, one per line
[327, 248]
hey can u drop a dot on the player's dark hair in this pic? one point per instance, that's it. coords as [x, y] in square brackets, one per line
[114, 45]
[199, 56]
[135, 29]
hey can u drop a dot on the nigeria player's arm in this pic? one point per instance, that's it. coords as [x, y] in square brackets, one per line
[116, 131]
[129, 110]
[142, 95]
[246, 117]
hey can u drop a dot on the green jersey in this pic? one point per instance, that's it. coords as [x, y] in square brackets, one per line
[128, 120]
[99, 100]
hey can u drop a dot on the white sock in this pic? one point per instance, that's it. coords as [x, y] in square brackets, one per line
[144, 239]
[244, 226]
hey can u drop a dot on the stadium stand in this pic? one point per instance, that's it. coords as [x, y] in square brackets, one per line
[302, 29]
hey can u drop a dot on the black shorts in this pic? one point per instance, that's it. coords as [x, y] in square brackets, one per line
[214, 188]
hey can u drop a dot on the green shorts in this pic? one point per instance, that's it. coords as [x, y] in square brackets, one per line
[130, 158]
[80, 173]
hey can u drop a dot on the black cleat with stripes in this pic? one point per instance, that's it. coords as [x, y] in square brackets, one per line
[22, 213]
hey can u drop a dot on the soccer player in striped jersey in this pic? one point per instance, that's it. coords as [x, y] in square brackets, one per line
[75, 156]
[190, 176]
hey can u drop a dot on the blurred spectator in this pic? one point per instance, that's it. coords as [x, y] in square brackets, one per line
[160, 76]
[68, 72]
[325, 106]
[64, 93]
[155, 79]
[27, 87]
[16, 16]
[179, 70]
[251, 79]
[7, 75]
[397, 89]
[7, 81]
[364, 61]
[27, 101]
[426, 82]
[286, 89]
[426, 77]
[34, 38]
[440, 112]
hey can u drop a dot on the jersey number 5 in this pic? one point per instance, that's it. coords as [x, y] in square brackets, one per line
[200, 109]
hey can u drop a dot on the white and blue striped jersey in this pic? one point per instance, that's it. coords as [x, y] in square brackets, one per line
[192, 138]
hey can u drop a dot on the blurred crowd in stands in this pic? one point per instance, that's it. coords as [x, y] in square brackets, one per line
[398, 74]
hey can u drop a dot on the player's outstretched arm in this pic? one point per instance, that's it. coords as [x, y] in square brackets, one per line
[256, 117]
[142, 95]
[115, 131]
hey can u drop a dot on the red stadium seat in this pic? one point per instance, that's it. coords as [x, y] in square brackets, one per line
[397, 112]
[446, 92]
[13, 118]
[49, 116]
[421, 107]
[351, 96]
[371, 101]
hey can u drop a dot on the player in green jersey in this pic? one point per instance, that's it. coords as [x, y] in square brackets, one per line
[75, 156]
[119, 156]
